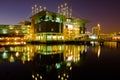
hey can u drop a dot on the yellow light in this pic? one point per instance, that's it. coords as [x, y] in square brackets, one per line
[17, 54]
[33, 76]
[58, 76]
[64, 74]
[62, 78]
[12, 58]
[67, 76]
[54, 37]
[24, 42]
[40, 77]
[15, 39]
[70, 68]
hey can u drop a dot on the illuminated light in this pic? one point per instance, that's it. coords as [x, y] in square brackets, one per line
[68, 64]
[54, 37]
[28, 49]
[62, 37]
[62, 78]
[23, 58]
[64, 74]
[37, 74]
[12, 58]
[70, 26]
[58, 76]
[98, 25]
[8, 39]
[16, 31]
[28, 59]
[33, 76]
[92, 42]
[22, 39]
[11, 27]
[17, 54]
[58, 65]
[40, 77]
[93, 37]
[8, 42]
[4, 55]
[99, 51]
[49, 37]
[24, 42]
[70, 58]
[67, 76]
[61, 5]
[4, 31]
[65, 79]
[15, 39]
[58, 19]
[70, 68]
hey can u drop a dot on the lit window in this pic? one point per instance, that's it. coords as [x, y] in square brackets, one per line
[57, 19]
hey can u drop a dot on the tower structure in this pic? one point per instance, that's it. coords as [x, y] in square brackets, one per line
[96, 30]
[36, 9]
[63, 9]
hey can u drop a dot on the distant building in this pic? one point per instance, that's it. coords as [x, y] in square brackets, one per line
[13, 32]
[96, 30]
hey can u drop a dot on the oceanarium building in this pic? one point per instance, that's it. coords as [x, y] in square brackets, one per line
[60, 26]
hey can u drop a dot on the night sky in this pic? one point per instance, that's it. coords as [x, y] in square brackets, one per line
[104, 12]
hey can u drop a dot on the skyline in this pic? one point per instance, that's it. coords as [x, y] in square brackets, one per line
[105, 13]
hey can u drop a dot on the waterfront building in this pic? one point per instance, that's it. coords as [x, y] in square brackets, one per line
[96, 31]
[51, 26]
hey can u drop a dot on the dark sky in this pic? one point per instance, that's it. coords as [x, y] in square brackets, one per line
[104, 12]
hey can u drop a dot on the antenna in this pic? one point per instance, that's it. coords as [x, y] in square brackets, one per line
[36, 9]
[63, 9]
[70, 12]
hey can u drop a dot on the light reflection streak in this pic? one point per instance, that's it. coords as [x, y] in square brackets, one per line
[99, 50]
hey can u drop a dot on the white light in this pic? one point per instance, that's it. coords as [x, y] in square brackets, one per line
[54, 37]
[70, 27]
[93, 37]
[69, 58]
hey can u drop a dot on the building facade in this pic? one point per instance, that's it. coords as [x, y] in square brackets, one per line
[50, 26]
[96, 30]
[13, 34]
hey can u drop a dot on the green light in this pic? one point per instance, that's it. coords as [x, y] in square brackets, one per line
[5, 31]
[4, 55]
[58, 65]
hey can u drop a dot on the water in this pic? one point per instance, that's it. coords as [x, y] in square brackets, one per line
[60, 62]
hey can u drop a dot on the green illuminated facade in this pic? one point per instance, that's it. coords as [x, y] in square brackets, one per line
[50, 26]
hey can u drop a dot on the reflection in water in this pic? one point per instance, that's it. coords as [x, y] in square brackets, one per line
[57, 60]
[97, 50]
[46, 60]
[50, 61]
[111, 44]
